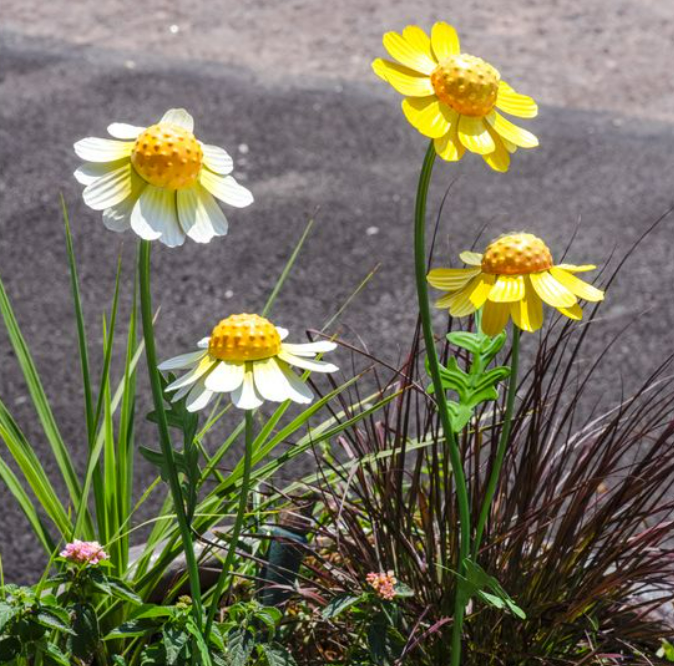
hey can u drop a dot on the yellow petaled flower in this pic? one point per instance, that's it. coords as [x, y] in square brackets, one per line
[453, 97]
[159, 181]
[514, 277]
[246, 356]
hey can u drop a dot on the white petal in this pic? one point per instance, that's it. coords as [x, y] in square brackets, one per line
[309, 348]
[283, 332]
[200, 216]
[226, 189]
[198, 397]
[155, 215]
[93, 149]
[225, 377]
[118, 218]
[125, 131]
[109, 190]
[203, 343]
[181, 393]
[88, 173]
[195, 374]
[183, 361]
[246, 396]
[217, 159]
[306, 363]
[302, 393]
[179, 117]
[271, 383]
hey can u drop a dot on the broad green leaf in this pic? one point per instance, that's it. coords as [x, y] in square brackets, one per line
[339, 604]
[121, 590]
[174, 641]
[86, 633]
[239, 647]
[54, 652]
[54, 618]
[403, 590]
[7, 614]
[478, 581]
[276, 655]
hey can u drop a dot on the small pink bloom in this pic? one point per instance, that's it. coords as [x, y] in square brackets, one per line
[84, 552]
[383, 584]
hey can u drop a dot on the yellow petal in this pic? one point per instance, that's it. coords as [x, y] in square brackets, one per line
[475, 136]
[449, 147]
[577, 286]
[508, 289]
[480, 288]
[443, 302]
[520, 137]
[499, 160]
[444, 40]
[451, 279]
[460, 304]
[403, 79]
[408, 54]
[528, 313]
[551, 291]
[509, 145]
[419, 40]
[428, 115]
[571, 268]
[495, 317]
[471, 258]
[574, 312]
[512, 102]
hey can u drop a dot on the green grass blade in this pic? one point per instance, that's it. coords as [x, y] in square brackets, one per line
[81, 329]
[110, 475]
[26, 505]
[99, 485]
[31, 468]
[100, 440]
[108, 348]
[288, 267]
[39, 398]
[125, 438]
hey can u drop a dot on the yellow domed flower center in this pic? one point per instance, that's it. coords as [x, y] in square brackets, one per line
[244, 337]
[516, 254]
[167, 156]
[466, 83]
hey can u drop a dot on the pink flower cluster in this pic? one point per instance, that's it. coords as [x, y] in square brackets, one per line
[84, 552]
[383, 584]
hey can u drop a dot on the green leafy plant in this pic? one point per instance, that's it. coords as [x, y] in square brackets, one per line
[33, 626]
[375, 625]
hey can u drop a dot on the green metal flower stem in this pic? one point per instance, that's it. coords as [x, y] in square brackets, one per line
[238, 523]
[502, 445]
[434, 367]
[164, 436]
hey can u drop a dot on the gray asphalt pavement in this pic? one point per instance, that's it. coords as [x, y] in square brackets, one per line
[299, 141]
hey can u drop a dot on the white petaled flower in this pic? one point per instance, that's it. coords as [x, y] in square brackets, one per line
[246, 356]
[159, 181]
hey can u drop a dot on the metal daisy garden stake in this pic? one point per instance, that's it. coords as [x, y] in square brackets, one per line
[247, 357]
[454, 99]
[160, 182]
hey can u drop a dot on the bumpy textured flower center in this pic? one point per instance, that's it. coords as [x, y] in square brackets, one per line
[516, 254]
[466, 83]
[167, 156]
[244, 337]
